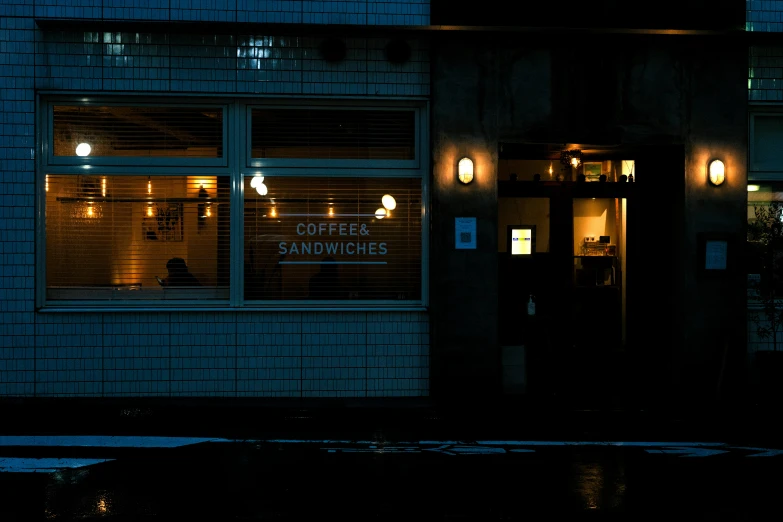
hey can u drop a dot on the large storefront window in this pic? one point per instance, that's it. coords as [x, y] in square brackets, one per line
[137, 237]
[137, 201]
[332, 238]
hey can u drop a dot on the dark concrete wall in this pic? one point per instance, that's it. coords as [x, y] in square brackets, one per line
[464, 282]
[661, 14]
[689, 94]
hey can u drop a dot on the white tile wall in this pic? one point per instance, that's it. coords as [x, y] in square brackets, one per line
[190, 354]
[370, 12]
[244, 354]
[764, 15]
[765, 74]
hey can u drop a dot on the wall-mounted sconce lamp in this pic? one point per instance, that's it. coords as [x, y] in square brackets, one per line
[202, 208]
[465, 170]
[717, 172]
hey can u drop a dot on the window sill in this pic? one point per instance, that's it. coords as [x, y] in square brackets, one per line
[174, 308]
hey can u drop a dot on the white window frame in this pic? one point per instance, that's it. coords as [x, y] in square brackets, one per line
[236, 163]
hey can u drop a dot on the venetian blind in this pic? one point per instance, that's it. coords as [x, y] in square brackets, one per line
[315, 238]
[333, 134]
[108, 237]
[180, 132]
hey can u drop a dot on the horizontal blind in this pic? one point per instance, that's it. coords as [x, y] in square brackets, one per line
[108, 237]
[309, 238]
[178, 132]
[333, 134]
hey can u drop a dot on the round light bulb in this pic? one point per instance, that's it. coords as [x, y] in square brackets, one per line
[83, 149]
[380, 213]
[261, 189]
[389, 202]
[256, 180]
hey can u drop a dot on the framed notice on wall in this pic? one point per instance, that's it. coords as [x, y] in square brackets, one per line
[465, 233]
[163, 222]
[716, 253]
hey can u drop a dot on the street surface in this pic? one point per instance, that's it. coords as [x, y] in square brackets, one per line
[135, 477]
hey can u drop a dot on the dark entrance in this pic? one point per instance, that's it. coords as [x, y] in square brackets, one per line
[604, 254]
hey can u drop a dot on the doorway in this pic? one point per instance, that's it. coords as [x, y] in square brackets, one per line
[574, 272]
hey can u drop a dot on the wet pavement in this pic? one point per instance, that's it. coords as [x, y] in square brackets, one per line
[389, 464]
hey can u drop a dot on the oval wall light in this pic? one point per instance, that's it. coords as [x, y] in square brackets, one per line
[717, 172]
[465, 170]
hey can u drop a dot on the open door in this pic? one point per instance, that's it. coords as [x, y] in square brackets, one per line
[576, 274]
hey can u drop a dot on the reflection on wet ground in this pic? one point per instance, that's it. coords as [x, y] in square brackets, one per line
[377, 480]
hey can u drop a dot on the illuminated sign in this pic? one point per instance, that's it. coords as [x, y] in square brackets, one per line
[521, 240]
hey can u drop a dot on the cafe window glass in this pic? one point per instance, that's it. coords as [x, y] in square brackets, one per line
[333, 134]
[332, 239]
[135, 203]
[143, 135]
[156, 238]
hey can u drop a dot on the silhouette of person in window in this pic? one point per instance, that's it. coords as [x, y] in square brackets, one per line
[178, 274]
[325, 283]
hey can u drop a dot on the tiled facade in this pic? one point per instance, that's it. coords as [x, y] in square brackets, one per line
[765, 74]
[764, 15]
[181, 353]
[370, 12]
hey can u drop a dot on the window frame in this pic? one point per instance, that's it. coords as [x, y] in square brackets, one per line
[761, 172]
[142, 161]
[235, 163]
[252, 162]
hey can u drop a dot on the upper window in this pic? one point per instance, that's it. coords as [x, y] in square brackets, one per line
[143, 134]
[333, 134]
[766, 137]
